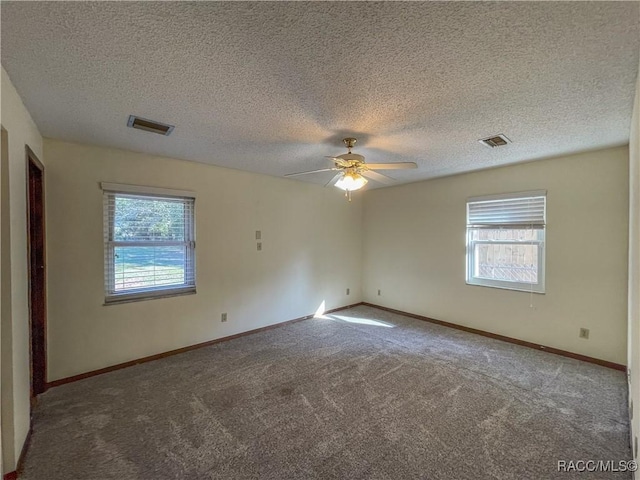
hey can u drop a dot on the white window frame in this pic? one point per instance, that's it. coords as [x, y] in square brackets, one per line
[112, 296]
[512, 223]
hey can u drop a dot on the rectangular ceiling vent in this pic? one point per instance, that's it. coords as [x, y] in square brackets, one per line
[149, 125]
[495, 141]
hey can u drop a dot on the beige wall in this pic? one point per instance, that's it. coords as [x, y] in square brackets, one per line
[15, 321]
[311, 243]
[634, 264]
[414, 252]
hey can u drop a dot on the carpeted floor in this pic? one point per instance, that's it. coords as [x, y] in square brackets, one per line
[362, 394]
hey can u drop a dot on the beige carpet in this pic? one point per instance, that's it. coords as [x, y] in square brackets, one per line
[362, 394]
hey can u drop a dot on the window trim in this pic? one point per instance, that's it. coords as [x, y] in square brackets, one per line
[149, 293]
[528, 287]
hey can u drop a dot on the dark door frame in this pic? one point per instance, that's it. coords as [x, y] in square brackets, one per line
[36, 255]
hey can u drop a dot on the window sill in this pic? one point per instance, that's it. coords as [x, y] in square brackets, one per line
[140, 297]
[504, 287]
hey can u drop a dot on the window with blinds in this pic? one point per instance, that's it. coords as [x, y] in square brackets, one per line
[505, 241]
[149, 237]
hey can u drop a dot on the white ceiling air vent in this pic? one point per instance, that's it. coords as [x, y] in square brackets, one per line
[495, 141]
[149, 125]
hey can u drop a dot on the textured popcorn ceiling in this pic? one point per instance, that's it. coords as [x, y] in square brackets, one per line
[273, 87]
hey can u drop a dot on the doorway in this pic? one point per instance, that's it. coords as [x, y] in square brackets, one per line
[37, 273]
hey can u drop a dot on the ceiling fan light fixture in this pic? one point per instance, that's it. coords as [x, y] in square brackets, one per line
[351, 182]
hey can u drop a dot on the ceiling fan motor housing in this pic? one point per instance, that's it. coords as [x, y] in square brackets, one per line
[353, 158]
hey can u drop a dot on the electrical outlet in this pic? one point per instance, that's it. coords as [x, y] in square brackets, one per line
[223, 318]
[258, 234]
[379, 292]
[348, 291]
[259, 246]
[584, 333]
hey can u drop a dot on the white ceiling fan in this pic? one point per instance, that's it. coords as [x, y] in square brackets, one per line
[352, 170]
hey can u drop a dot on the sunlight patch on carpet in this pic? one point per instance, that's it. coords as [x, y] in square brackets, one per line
[362, 321]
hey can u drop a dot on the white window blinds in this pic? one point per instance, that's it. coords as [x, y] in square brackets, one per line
[525, 209]
[149, 243]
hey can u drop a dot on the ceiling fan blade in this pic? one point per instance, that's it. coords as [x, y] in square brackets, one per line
[378, 177]
[339, 161]
[311, 171]
[391, 166]
[333, 180]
